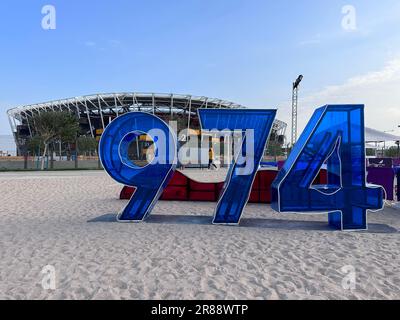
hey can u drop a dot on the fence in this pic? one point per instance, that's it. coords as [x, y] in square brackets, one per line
[35, 163]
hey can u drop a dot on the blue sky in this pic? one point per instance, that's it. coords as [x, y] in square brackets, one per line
[246, 51]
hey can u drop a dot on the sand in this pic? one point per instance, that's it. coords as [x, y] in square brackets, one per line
[66, 220]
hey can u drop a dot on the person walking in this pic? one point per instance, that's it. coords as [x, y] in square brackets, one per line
[211, 156]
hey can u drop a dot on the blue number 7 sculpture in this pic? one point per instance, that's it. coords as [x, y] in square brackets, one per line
[335, 135]
[236, 191]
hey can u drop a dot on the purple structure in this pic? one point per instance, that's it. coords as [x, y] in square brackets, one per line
[397, 170]
[383, 177]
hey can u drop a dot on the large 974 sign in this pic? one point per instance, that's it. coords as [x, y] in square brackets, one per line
[334, 136]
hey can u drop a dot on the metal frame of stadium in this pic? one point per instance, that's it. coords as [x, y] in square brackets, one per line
[102, 108]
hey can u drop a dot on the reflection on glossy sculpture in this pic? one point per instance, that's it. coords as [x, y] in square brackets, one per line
[334, 136]
[236, 191]
[149, 181]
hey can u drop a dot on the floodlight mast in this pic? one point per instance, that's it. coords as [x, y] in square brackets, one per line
[295, 100]
[398, 147]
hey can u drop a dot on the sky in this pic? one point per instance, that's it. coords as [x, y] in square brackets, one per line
[245, 51]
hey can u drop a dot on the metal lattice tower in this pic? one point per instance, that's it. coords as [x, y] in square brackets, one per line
[295, 100]
[294, 114]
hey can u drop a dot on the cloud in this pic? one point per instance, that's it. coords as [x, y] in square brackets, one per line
[115, 43]
[378, 90]
[312, 41]
[103, 45]
[90, 44]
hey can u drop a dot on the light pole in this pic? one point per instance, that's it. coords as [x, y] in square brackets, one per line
[398, 148]
[295, 100]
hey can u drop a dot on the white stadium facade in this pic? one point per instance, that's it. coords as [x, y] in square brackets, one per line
[95, 112]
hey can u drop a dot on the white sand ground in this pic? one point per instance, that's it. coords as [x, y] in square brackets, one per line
[67, 220]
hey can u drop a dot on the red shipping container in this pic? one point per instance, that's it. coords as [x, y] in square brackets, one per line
[178, 179]
[256, 183]
[254, 196]
[266, 179]
[127, 193]
[173, 193]
[265, 196]
[218, 189]
[198, 186]
[202, 196]
[323, 176]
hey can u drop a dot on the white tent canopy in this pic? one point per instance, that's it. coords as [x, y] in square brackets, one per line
[375, 136]
[371, 146]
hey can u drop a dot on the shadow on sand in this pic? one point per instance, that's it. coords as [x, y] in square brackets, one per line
[273, 224]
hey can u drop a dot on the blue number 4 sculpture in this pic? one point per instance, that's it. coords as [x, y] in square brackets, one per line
[334, 136]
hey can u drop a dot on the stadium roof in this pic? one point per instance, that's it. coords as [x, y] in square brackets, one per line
[114, 104]
[121, 100]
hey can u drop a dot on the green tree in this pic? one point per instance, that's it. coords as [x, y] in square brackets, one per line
[370, 152]
[275, 150]
[87, 144]
[55, 127]
[35, 144]
[392, 152]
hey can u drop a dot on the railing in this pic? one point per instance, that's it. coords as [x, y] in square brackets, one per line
[35, 163]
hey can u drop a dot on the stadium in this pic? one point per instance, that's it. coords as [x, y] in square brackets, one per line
[95, 112]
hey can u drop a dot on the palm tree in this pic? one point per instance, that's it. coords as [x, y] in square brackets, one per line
[55, 126]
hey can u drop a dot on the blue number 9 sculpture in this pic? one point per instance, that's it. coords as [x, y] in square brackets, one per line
[335, 135]
[149, 181]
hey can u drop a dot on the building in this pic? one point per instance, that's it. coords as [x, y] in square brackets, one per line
[95, 112]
